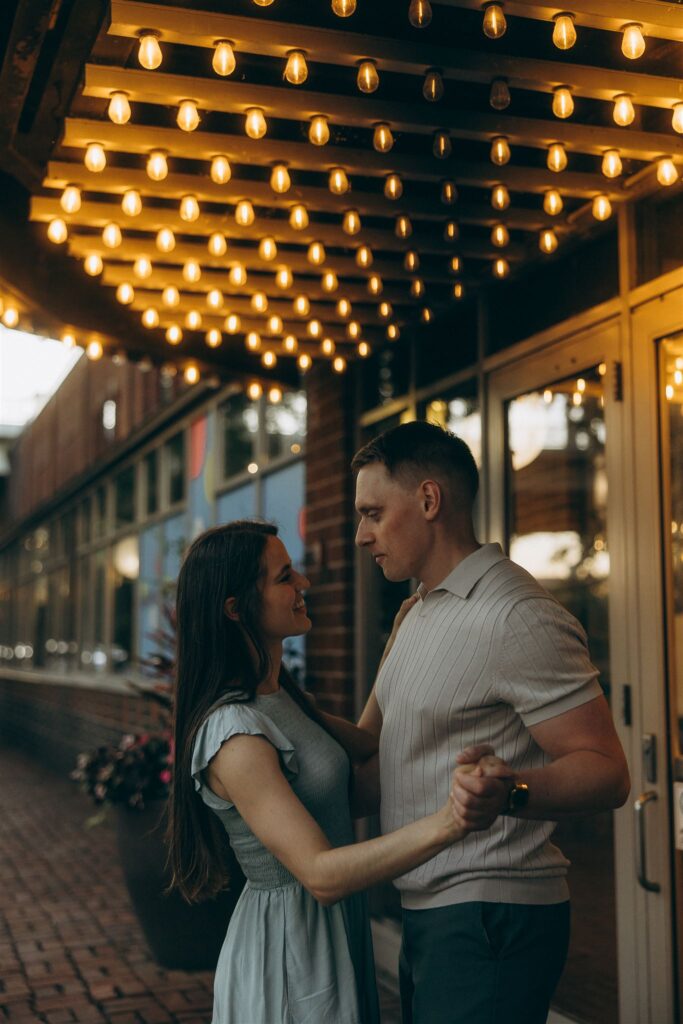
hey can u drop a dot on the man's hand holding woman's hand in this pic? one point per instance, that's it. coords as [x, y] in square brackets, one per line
[480, 787]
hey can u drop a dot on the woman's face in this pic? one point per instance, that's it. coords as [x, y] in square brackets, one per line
[283, 611]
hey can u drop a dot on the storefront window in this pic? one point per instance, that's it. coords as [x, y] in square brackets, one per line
[286, 424]
[240, 432]
[457, 410]
[126, 570]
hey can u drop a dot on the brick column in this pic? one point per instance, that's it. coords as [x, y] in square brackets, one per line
[329, 538]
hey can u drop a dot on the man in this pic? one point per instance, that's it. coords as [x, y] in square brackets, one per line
[485, 658]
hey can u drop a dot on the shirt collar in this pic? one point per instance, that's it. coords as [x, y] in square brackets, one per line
[461, 580]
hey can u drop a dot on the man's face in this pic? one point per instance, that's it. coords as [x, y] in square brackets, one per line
[392, 524]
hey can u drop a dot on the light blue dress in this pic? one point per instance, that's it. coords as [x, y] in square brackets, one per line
[286, 958]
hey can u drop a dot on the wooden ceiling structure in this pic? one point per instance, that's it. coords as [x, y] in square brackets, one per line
[458, 106]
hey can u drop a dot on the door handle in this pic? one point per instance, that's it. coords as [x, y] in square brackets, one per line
[641, 803]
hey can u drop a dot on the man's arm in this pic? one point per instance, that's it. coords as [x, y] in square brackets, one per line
[588, 772]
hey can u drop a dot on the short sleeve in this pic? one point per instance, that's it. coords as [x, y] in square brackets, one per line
[545, 669]
[235, 720]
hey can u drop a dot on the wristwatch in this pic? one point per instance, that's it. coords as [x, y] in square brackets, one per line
[518, 797]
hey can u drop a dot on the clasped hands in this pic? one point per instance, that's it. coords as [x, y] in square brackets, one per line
[480, 787]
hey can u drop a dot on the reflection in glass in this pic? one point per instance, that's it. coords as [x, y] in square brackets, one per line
[458, 411]
[240, 429]
[286, 424]
[671, 377]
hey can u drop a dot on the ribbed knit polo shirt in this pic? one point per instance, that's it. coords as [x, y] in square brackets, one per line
[480, 658]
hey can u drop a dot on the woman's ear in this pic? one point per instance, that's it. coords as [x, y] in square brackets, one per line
[230, 608]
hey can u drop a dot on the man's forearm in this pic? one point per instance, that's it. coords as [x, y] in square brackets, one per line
[358, 743]
[580, 783]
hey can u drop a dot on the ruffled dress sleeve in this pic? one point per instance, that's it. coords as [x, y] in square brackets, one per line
[226, 721]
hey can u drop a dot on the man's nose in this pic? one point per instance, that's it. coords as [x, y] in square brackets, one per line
[361, 536]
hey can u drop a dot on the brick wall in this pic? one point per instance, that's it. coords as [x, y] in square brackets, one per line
[329, 539]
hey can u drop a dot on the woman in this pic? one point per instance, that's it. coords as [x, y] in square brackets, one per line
[252, 750]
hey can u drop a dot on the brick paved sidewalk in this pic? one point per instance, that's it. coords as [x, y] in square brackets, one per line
[70, 946]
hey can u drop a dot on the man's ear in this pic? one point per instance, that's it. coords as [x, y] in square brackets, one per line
[431, 498]
[230, 609]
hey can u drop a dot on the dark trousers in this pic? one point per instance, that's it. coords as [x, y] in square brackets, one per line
[482, 963]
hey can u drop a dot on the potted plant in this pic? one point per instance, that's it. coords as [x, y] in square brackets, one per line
[134, 777]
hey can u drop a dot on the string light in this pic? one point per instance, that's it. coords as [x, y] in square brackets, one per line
[499, 94]
[458, 290]
[667, 173]
[633, 43]
[500, 150]
[501, 268]
[142, 268]
[547, 241]
[304, 362]
[119, 108]
[385, 310]
[131, 203]
[393, 332]
[290, 343]
[92, 264]
[563, 102]
[150, 318]
[189, 208]
[393, 186]
[316, 254]
[500, 197]
[455, 265]
[244, 213]
[284, 278]
[223, 61]
[259, 302]
[382, 138]
[314, 328]
[364, 256]
[174, 334]
[149, 51]
[221, 172]
[111, 236]
[255, 123]
[275, 395]
[191, 374]
[623, 112]
[557, 157]
[328, 347]
[442, 146]
[280, 181]
[432, 87]
[611, 163]
[329, 281]
[165, 240]
[217, 244]
[157, 165]
[351, 223]
[275, 324]
[232, 323]
[602, 208]
[411, 261]
[301, 305]
[94, 350]
[494, 23]
[237, 275]
[343, 8]
[403, 227]
[451, 231]
[170, 296]
[70, 199]
[363, 349]
[419, 13]
[338, 181]
[375, 284]
[500, 236]
[296, 69]
[188, 116]
[344, 308]
[95, 157]
[298, 218]
[254, 391]
[215, 298]
[213, 337]
[319, 130]
[552, 202]
[417, 288]
[193, 319]
[368, 78]
[10, 316]
[57, 231]
[353, 330]
[68, 339]
[267, 249]
[338, 364]
[564, 32]
[449, 193]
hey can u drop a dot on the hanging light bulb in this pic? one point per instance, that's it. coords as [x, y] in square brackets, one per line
[92, 264]
[213, 338]
[393, 187]
[426, 315]
[500, 197]
[269, 359]
[221, 172]
[611, 163]
[68, 339]
[432, 87]
[344, 308]
[328, 347]
[633, 44]
[564, 33]
[338, 181]
[189, 208]
[275, 324]
[301, 305]
[411, 261]
[451, 232]
[284, 278]
[280, 181]
[364, 256]
[393, 332]
[259, 302]
[119, 108]
[623, 112]
[563, 102]
[111, 236]
[298, 218]
[142, 268]
[157, 165]
[368, 78]
[255, 123]
[165, 240]
[343, 8]
[304, 362]
[314, 328]
[552, 202]
[95, 157]
[244, 213]
[193, 319]
[237, 275]
[382, 138]
[217, 244]
[254, 391]
[232, 323]
[215, 298]
[192, 271]
[131, 203]
[375, 284]
[417, 288]
[455, 265]
[174, 334]
[57, 231]
[667, 173]
[191, 374]
[170, 296]
[319, 130]
[316, 254]
[557, 157]
[94, 349]
[188, 116]
[363, 349]
[500, 150]
[547, 240]
[150, 318]
[420, 13]
[296, 69]
[290, 343]
[442, 146]
[353, 330]
[329, 281]
[602, 208]
[449, 193]
[267, 249]
[223, 61]
[149, 51]
[351, 223]
[385, 310]
[458, 290]
[263, 3]
[499, 96]
[500, 236]
[70, 199]
[494, 24]
[501, 268]
[10, 316]
[403, 227]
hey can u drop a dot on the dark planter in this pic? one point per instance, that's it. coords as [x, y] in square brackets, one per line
[181, 936]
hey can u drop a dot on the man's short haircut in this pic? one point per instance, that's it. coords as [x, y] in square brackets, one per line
[419, 450]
